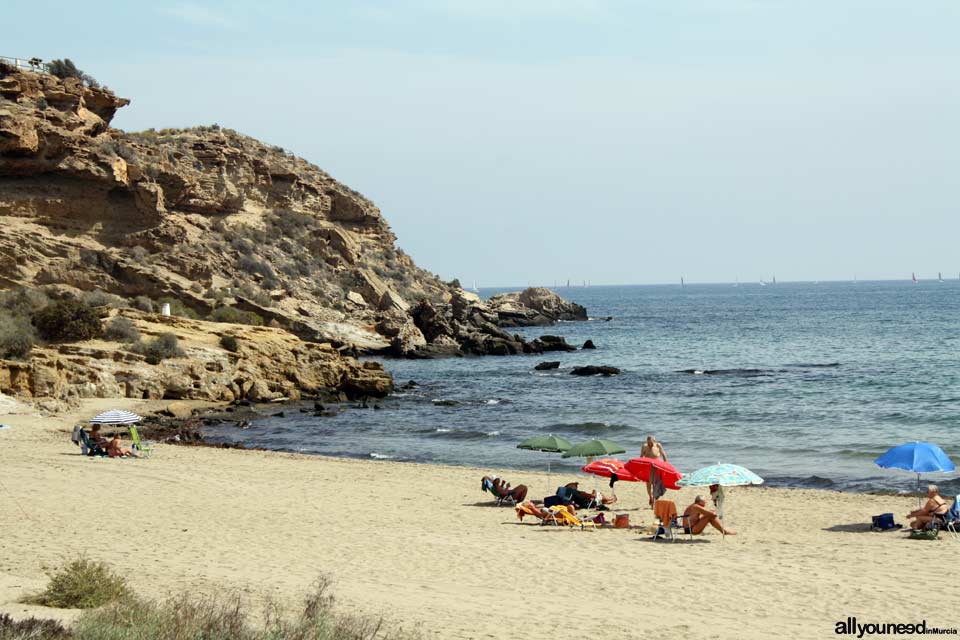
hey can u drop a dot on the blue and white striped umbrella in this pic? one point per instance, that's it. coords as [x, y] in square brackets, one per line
[116, 416]
[725, 475]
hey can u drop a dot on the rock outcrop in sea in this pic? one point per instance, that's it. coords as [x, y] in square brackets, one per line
[209, 218]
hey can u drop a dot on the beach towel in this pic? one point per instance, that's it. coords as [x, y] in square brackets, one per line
[656, 485]
[524, 509]
[665, 511]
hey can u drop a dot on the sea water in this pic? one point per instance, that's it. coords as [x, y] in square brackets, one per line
[814, 382]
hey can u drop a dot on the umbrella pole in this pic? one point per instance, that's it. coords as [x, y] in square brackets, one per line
[918, 489]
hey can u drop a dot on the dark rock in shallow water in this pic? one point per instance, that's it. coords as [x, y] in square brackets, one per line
[550, 343]
[593, 370]
[410, 384]
[589, 345]
[545, 366]
[445, 403]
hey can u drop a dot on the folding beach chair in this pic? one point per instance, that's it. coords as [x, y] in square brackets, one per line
[562, 515]
[87, 448]
[666, 513]
[951, 519]
[143, 446]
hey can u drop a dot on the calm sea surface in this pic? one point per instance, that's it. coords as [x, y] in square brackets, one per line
[796, 421]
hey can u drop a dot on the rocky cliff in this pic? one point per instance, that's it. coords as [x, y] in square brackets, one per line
[266, 365]
[211, 218]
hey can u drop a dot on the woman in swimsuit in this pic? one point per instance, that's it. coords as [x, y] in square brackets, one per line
[935, 506]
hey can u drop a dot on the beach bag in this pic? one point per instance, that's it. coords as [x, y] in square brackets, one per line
[925, 534]
[883, 522]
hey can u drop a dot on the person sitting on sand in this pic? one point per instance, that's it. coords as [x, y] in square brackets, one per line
[114, 450]
[502, 488]
[935, 506]
[96, 438]
[697, 517]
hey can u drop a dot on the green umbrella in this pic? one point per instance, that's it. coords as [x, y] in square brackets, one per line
[593, 449]
[549, 444]
[546, 444]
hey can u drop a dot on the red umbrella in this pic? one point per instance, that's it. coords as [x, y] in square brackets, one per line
[640, 468]
[605, 467]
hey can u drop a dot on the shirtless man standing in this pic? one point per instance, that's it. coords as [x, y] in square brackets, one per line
[698, 517]
[652, 449]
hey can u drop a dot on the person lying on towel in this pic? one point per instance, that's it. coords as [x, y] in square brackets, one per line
[698, 517]
[583, 499]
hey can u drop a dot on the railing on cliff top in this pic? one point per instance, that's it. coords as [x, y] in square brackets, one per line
[30, 64]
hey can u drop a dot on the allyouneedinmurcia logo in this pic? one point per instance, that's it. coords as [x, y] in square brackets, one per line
[850, 627]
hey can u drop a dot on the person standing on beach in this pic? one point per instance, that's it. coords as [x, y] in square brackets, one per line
[652, 449]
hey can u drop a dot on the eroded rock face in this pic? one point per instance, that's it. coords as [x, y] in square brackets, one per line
[269, 364]
[534, 307]
[210, 217]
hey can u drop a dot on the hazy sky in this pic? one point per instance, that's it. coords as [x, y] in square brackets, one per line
[519, 141]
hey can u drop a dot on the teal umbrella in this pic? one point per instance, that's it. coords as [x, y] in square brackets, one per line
[725, 475]
[546, 444]
[593, 449]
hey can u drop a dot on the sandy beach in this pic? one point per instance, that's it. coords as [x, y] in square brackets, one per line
[422, 545]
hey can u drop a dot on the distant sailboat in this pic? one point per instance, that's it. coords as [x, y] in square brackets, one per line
[774, 279]
[475, 289]
[762, 283]
[681, 282]
[939, 276]
[737, 283]
[913, 277]
[568, 283]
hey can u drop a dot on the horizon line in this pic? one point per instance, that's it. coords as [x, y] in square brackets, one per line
[707, 282]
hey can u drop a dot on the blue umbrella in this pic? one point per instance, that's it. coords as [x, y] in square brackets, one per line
[918, 457]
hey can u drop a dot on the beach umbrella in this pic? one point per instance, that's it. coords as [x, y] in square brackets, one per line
[918, 457]
[725, 475]
[549, 444]
[641, 468]
[545, 444]
[593, 449]
[607, 467]
[116, 416]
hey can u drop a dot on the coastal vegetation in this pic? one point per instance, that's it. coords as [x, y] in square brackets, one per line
[115, 612]
[165, 345]
[81, 584]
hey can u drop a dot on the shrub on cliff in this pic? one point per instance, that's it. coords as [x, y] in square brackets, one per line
[165, 345]
[82, 584]
[67, 321]
[22, 303]
[144, 304]
[229, 343]
[65, 68]
[122, 330]
[16, 337]
[236, 316]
